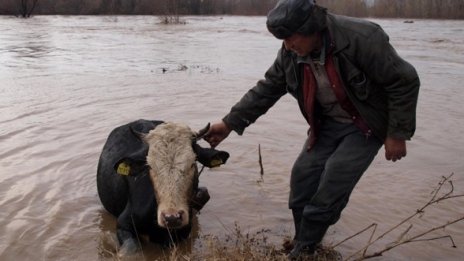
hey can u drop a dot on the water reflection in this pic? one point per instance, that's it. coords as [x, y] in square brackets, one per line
[108, 243]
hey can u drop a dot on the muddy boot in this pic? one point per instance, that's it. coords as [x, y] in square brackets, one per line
[200, 198]
[301, 252]
[307, 238]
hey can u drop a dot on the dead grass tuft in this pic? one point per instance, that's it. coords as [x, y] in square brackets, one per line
[238, 246]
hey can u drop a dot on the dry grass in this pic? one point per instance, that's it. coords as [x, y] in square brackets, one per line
[238, 246]
[235, 246]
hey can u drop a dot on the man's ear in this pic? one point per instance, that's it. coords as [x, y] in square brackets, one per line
[130, 167]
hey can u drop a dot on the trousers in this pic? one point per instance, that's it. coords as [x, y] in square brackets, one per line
[323, 178]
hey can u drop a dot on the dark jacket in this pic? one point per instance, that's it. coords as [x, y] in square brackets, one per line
[382, 86]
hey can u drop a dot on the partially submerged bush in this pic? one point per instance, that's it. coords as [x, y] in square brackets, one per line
[172, 19]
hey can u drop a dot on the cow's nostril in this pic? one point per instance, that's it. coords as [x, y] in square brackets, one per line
[173, 220]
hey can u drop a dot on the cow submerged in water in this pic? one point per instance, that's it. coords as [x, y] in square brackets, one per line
[148, 178]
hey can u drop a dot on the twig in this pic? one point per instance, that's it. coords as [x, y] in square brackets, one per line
[433, 200]
[436, 238]
[260, 160]
[435, 228]
[440, 185]
[360, 232]
[370, 240]
[404, 234]
[416, 238]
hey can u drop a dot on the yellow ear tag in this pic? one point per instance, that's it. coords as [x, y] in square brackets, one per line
[215, 162]
[123, 169]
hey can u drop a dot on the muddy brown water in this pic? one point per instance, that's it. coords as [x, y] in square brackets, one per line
[66, 82]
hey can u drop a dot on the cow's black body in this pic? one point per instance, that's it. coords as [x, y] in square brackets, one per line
[131, 198]
[122, 142]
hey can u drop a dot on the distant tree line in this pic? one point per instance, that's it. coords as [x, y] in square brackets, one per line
[450, 9]
[142, 7]
[26, 7]
[438, 9]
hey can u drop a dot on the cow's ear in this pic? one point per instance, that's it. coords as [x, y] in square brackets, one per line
[130, 167]
[210, 157]
[139, 135]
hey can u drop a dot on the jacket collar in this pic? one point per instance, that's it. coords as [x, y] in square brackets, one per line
[338, 40]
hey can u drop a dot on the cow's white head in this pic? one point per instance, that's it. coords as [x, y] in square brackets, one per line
[173, 171]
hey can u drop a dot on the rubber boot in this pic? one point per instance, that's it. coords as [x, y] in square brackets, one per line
[308, 237]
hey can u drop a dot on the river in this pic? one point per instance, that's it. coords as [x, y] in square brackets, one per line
[67, 81]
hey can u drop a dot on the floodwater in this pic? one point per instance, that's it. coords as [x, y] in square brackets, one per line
[66, 82]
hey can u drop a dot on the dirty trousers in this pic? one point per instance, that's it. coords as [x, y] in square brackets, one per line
[323, 178]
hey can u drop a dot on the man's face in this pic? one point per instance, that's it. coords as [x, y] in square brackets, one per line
[303, 45]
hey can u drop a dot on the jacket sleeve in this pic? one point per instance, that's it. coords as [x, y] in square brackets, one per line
[399, 80]
[260, 98]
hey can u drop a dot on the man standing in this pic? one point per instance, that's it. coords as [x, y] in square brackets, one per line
[354, 91]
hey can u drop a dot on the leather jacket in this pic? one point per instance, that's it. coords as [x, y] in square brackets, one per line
[381, 85]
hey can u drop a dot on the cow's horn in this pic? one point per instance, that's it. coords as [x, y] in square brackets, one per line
[203, 131]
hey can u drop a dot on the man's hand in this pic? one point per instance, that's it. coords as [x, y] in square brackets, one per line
[217, 133]
[395, 149]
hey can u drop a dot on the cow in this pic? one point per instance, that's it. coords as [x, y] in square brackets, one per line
[147, 177]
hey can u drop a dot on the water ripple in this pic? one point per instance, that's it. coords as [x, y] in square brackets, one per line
[66, 82]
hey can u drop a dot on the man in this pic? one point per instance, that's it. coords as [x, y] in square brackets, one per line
[356, 94]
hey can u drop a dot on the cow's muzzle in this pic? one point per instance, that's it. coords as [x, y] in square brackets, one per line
[172, 220]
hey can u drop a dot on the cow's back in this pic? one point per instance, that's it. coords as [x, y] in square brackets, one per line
[123, 142]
